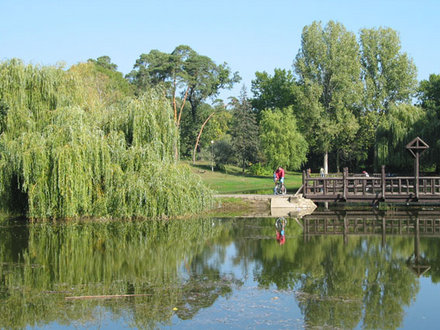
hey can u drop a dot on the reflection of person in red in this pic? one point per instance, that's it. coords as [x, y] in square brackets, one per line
[281, 238]
[280, 225]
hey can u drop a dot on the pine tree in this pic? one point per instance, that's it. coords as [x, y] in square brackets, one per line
[244, 132]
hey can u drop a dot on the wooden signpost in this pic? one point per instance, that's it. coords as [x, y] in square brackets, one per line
[416, 147]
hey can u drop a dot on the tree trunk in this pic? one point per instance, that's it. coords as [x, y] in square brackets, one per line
[174, 100]
[182, 106]
[337, 161]
[198, 136]
[326, 162]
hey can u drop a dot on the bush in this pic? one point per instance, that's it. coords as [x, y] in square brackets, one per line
[260, 170]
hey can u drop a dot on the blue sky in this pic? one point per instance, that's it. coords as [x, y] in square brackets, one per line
[249, 35]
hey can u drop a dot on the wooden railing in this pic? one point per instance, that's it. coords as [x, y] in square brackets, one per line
[352, 187]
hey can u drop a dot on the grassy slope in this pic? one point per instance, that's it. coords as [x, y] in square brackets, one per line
[234, 182]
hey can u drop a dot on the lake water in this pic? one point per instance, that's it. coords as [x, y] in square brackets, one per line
[336, 269]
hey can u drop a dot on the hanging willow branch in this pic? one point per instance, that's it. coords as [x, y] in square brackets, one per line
[63, 153]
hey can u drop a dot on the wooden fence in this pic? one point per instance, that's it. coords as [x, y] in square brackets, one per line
[379, 188]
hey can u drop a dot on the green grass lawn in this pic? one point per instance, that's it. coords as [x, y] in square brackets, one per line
[233, 181]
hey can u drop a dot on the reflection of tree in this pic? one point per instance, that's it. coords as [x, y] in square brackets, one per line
[106, 258]
[340, 283]
[202, 291]
[431, 253]
[337, 282]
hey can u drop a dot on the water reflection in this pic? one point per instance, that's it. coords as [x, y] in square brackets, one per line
[336, 269]
[348, 223]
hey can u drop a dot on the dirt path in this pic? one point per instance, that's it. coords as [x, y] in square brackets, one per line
[252, 196]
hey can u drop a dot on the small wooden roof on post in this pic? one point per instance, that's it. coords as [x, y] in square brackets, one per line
[416, 147]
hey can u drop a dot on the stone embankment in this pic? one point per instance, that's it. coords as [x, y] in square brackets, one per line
[276, 205]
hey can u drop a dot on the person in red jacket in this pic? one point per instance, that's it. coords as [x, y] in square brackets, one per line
[278, 176]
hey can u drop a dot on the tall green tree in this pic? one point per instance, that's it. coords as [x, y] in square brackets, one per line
[281, 141]
[195, 76]
[187, 76]
[429, 93]
[429, 100]
[244, 131]
[328, 69]
[389, 75]
[273, 91]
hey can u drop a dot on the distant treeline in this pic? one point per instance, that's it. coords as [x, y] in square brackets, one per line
[353, 100]
[88, 140]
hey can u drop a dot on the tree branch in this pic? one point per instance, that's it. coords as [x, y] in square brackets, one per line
[198, 137]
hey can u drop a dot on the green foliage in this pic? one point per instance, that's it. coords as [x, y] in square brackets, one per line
[260, 170]
[64, 153]
[328, 67]
[429, 93]
[223, 152]
[183, 68]
[104, 85]
[217, 127]
[344, 87]
[281, 141]
[271, 92]
[429, 97]
[389, 75]
[104, 62]
[186, 73]
[244, 132]
[402, 124]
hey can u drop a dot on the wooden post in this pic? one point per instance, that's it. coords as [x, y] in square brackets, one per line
[416, 147]
[304, 183]
[345, 183]
[416, 174]
[383, 182]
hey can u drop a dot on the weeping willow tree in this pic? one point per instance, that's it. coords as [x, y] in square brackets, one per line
[65, 154]
[403, 123]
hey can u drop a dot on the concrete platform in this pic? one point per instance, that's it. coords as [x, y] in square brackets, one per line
[279, 205]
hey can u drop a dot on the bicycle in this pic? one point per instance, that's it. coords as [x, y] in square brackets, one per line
[280, 224]
[280, 188]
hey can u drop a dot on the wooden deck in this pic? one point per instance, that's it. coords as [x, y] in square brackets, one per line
[380, 188]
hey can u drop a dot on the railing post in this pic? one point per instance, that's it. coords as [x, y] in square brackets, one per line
[304, 183]
[416, 174]
[383, 182]
[345, 183]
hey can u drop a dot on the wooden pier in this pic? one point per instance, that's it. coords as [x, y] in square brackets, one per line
[374, 189]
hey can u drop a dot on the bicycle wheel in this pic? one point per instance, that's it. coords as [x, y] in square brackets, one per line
[283, 190]
[278, 189]
[279, 224]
